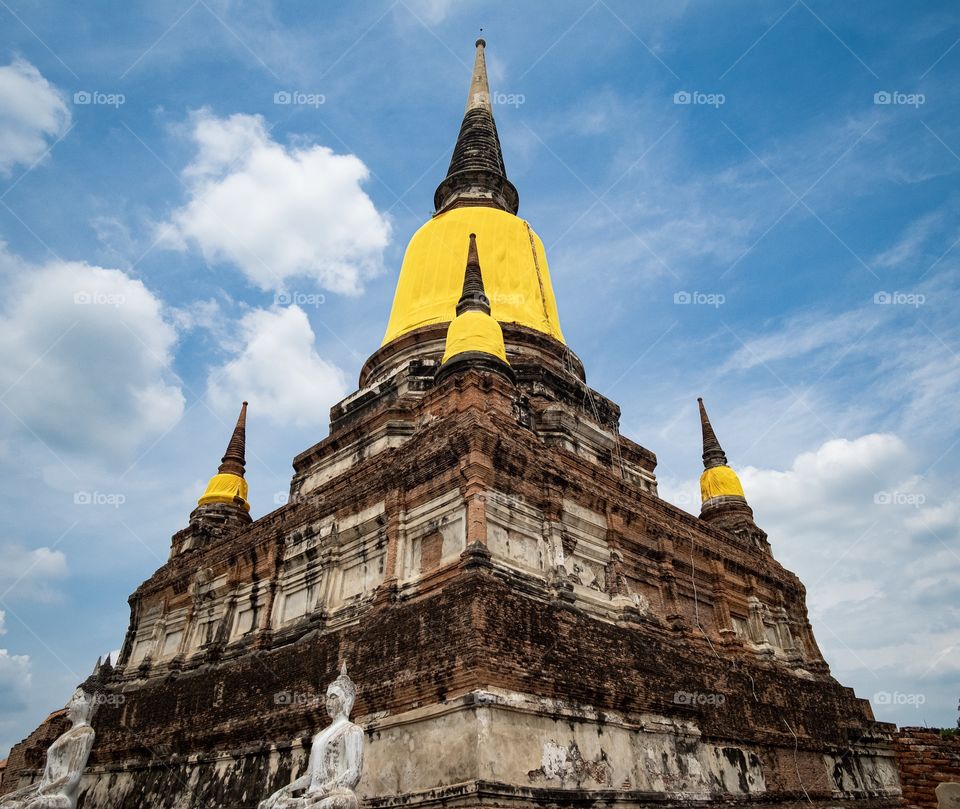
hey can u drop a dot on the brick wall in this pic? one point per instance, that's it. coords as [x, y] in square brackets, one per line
[31, 753]
[925, 759]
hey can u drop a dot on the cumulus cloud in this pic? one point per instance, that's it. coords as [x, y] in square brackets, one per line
[32, 115]
[15, 683]
[29, 573]
[878, 548]
[278, 213]
[14, 680]
[86, 357]
[276, 367]
[207, 315]
[846, 476]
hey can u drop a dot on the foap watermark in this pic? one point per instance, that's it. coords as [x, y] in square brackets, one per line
[914, 299]
[315, 299]
[501, 499]
[113, 700]
[84, 498]
[696, 98]
[897, 99]
[507, 299]
[508, 99]
[698, 698]
[714, 299]
[94, 297]
[299, 698]
[896, 698]
[503, 99]
[914, 499]
[297, 98]
[95, 98]
[285, 498]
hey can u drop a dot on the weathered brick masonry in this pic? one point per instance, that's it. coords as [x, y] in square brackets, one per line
[476, 621]
[926, 757]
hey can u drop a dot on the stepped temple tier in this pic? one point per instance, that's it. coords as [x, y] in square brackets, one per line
[524, 620]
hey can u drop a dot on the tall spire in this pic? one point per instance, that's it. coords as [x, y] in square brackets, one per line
[233, 461]
[713, 454]
[473, 298]
[476, 175]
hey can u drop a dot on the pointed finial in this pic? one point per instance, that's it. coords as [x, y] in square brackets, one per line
[233, 461]
[96, 666]
[343, 668]
[479, 95]
[106, 663]
[713, 454]
[473, 298]
[476, 175]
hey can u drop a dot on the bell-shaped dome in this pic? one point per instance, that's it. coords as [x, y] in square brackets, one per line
[474, 331]
[515, 272]
[719, 481]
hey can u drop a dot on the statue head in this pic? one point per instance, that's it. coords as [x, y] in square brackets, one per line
[340, 695]
[80, 706]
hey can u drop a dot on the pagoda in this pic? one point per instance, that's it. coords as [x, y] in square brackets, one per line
[527, 622]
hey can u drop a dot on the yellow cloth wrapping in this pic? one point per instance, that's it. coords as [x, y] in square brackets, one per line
[224, 488]
[719, 481]
[512, 259]
[474, 331]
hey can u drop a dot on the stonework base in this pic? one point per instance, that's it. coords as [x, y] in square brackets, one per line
[497, 748]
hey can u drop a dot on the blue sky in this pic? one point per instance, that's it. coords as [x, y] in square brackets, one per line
[160, 209]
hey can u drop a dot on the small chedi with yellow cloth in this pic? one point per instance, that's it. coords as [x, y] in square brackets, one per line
[722, 501]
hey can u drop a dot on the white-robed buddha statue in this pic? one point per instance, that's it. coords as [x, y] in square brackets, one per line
[336, 759]
[66, 761]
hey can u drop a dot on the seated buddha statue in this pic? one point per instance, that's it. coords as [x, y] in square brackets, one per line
[66, 761]
[336, 759]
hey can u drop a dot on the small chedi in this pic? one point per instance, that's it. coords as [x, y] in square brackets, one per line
[531, 623]
[336, 759]
[66, 760]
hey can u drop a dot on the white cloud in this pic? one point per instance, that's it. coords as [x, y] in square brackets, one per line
[874, 543]
[15, 685]
[277, 213]
[841, 473]
[32, 114]
[86, 358]
[206, 315]
[431, 11]
[277, 369]
[878, 548]
[29, 573]
[15, 680]
[801, 335]
[896, 363]
[908, 246]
